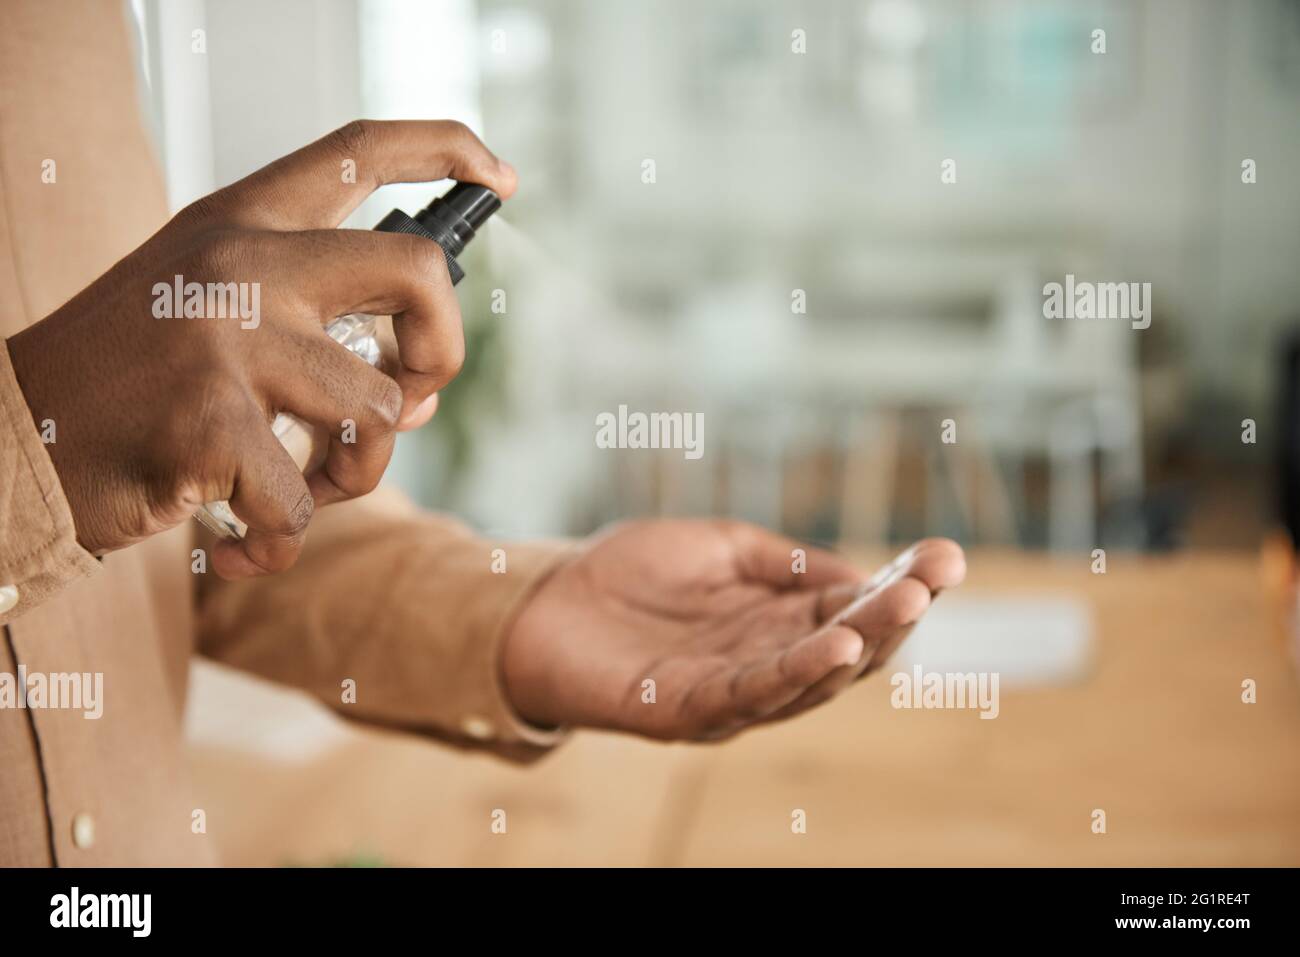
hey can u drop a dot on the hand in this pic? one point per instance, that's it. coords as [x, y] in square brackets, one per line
[157, 415]
[713, 613]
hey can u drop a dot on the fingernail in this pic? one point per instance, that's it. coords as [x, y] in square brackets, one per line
[854, 654]
[421, 411]
[426, 407]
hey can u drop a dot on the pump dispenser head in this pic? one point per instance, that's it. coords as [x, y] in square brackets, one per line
[451, 221]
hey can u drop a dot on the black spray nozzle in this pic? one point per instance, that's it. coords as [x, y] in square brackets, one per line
[451, 221]
[469, 201]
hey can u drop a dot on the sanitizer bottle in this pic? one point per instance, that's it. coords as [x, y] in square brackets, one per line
[450, 221]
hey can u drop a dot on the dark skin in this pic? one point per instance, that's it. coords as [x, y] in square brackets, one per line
[157, 416]
[713, 613]
[132, 465]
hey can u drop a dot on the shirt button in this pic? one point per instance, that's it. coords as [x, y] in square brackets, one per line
[8, 597]
[477, 727]
[83, 830]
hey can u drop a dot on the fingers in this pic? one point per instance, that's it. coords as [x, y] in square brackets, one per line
[862, 623]
[885, 613]
[899, 603]
[385, 274]
[883, 619]
[271, 497]
[357, 406]
[317, 186]
[936, 562]
[732, 697]
[418, 416]
[940, 563]
[781, 562]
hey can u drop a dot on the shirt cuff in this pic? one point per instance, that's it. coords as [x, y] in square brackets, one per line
[39, 554]
[466, 697]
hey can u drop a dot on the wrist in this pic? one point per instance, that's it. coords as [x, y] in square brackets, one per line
[528, 654]
[522, 670]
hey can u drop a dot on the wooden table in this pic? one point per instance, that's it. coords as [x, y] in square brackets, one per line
[1157, 736]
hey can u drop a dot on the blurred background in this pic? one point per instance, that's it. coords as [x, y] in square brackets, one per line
[776, 171]
[736, 208]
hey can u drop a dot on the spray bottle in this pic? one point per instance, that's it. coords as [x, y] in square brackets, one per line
[451, 221]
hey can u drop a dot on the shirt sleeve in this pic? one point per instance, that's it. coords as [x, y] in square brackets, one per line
[39, 554]
[391, 616]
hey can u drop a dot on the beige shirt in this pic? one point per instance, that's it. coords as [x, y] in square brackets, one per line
[404, 604]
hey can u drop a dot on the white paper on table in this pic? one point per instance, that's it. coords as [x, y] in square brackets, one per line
[1038, 641]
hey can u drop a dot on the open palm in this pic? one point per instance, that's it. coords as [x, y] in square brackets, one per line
[699, 629]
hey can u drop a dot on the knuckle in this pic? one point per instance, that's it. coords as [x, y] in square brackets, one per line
[360, 482]
[353, 139]
[221, 407]
[221, 253]
[424, 261]
[193, 448]
[377, 401]
[204, 209]
[440, 371]
[298, 513]
[169, 474]
[452, 359]
[458, 133]
[355, 473]
[368, 482]
[385, 401]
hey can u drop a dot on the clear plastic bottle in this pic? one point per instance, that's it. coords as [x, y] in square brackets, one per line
[451, 221]
[355, 332]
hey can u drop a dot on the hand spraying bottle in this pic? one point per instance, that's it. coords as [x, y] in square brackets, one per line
[451, 221]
